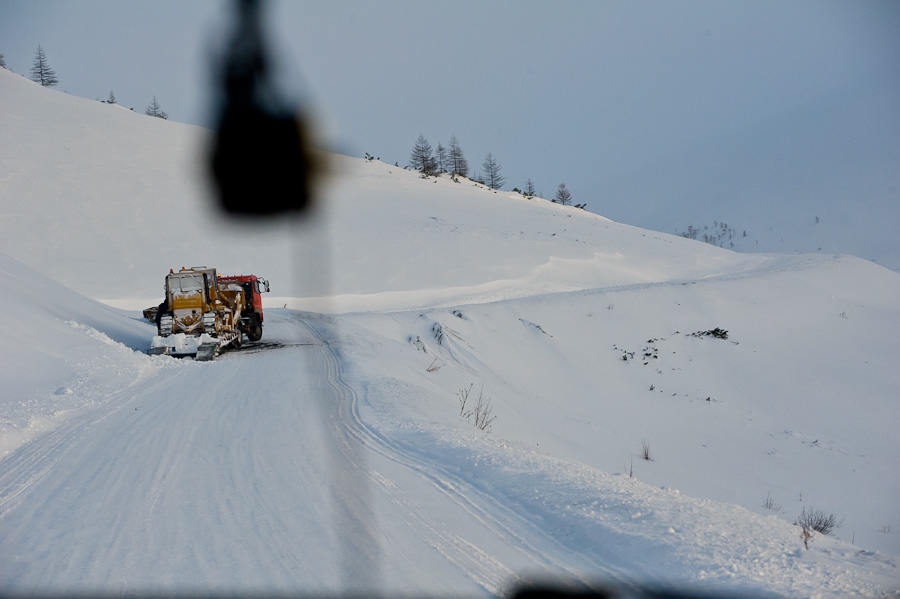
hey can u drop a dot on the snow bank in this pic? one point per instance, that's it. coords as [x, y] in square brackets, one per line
[62, 352]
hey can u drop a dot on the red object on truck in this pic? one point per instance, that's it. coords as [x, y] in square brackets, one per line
[252, 311]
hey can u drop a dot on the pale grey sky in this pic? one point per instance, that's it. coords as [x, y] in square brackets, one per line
[559, 91]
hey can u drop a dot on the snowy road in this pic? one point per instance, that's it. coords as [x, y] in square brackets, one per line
[199, 475]
[253, 472]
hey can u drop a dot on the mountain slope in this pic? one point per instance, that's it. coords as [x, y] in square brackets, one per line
[111, 226]
[342, 457]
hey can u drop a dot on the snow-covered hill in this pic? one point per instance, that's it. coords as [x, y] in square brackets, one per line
[343, 459]
[111, 226]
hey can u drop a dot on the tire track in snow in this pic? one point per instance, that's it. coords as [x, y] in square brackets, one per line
[200, 478]
[360, 445]
[502, 530]
[26, 466]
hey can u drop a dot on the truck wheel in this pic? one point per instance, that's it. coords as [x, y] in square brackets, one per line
[254, 330]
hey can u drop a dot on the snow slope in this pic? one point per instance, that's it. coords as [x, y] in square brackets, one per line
[46, 331]
[341, 459]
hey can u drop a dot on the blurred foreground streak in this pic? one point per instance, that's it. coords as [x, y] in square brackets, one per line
[261, 161]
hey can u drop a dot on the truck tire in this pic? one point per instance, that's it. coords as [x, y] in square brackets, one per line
[254, 329]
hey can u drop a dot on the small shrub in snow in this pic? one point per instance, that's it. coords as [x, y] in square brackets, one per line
[417, 342]
[626, 355]
[645, 451]
[463, 396]
[716, 235]
[716, 332]
[480, 413]
[813, 521]
[771, 504]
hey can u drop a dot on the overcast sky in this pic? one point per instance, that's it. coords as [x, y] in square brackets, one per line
[558, 91]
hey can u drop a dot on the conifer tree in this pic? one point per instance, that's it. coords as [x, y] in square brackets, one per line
[154, 109]
[563, 196]
[421, 157]
[492, 176]
[41, 71]
[440, 158]
[458, 164]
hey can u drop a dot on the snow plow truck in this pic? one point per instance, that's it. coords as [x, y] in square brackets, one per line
[204, 313]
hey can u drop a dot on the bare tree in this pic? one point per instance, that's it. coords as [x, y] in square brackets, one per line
[112, 98]
[458, 164]
[492, 176]
[41, 71]
[154, 109]
[563, 196]
[421, 157]
[2, 61]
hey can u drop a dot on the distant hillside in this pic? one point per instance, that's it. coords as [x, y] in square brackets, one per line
[106, 201]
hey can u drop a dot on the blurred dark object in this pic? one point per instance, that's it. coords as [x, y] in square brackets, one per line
[261, 162]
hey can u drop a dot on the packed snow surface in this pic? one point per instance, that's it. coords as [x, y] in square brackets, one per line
[455, 392]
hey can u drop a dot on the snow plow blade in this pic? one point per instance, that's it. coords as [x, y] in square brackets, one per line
[203, 348]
